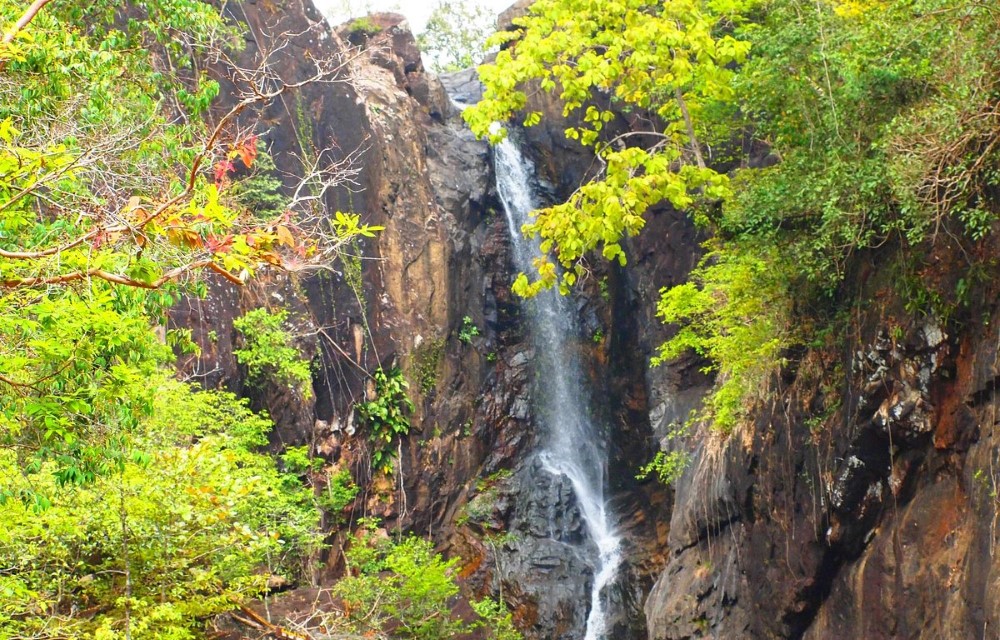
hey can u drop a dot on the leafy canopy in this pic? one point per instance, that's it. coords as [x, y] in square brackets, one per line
[112, 185]
[665, 62]
[878, 118]
[169, 539]
[405, 587]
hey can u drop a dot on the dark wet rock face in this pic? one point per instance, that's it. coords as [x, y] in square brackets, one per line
[544, 561]
[851, 508]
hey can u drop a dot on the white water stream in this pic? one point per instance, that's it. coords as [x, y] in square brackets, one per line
[572, 445]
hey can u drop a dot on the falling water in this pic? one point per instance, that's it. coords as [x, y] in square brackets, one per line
[572, 445]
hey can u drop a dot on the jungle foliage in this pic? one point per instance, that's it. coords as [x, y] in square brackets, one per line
[387, 415]
[131, 505]
[115, 191]
[192, 522]
[799, 134]
[405, 586]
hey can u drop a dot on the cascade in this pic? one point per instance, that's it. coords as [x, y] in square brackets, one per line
[571, 445]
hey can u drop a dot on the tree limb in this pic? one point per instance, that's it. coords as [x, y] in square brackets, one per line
[690, 128]
[27, 17]
[73, 276]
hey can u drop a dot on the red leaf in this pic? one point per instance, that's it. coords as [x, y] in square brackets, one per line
[248, 151]
[215, 244]
[222, 168]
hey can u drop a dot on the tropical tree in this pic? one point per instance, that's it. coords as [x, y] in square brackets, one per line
[670, 63]
[843, 126]
[456, 34]
[133, 506]
[116, 190]
[152, 549]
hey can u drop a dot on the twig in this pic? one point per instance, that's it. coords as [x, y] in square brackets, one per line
[27, 17]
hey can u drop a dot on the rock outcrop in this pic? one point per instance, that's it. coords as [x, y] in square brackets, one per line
[859, 503]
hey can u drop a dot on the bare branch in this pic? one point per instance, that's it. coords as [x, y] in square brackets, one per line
[111, 216]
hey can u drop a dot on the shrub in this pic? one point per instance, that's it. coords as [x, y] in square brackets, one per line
[176, 536]
[406, 587]
[268, 350]
[386, 415]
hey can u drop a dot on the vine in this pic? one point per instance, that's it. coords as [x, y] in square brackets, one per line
[387, 416]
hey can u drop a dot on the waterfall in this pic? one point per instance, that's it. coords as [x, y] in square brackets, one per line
[571, 444]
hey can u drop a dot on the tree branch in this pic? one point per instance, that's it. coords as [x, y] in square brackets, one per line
[690, 128]
[28, 16]
[73, 276]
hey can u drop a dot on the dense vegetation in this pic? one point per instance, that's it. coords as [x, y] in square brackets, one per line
[801, 135]
[192, 522]
[133, 505]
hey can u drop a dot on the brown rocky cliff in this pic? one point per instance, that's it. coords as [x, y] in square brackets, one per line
[861, 501]
[442, 257]
[426, 181]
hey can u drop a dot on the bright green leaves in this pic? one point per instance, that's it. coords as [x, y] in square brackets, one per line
[348, 226]
[736, 313]
[269, 353]
[601, 214]
[878, 120]
[878, 112]
[198, 526]
[386, 414]
[825, 90]
[404, 585]
[74, 376]
[110, 181]
[668, 59]
[641, 53]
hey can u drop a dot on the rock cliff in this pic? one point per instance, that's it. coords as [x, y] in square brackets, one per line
[860, 503]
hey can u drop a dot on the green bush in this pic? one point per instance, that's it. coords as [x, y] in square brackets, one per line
[269, 351]
[340, 491]
[364, 26]
[406, 587]
[261, 190]
[734, 311]
[176, 536]
[297, 460]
